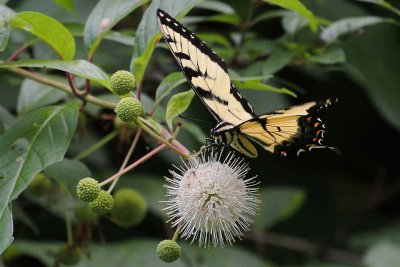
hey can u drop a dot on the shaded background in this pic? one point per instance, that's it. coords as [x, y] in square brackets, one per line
[311, 204]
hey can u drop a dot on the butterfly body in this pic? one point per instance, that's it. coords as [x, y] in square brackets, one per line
[283, 132]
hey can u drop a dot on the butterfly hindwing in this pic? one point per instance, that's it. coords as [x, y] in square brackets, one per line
[290, 131]
[205, 71]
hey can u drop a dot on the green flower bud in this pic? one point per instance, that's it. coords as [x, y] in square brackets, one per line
[129, 109]
[85, 214]
[41, 184]
[122, 82]
[103, 204]
[88, 189]
[69, 255]
[168, 251]
[129, 207]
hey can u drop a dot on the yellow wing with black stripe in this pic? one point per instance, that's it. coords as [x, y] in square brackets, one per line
[205, 71]
[289, 131]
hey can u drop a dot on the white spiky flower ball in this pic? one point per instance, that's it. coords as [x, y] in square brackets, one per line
[211, 200]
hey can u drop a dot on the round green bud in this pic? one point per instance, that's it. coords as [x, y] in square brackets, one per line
[41, 184]
[88, 189]
[69, 255]
[129, 109]
[85, 214]
[103, 204]
[129, 207]
[122, 82]
[168, 251]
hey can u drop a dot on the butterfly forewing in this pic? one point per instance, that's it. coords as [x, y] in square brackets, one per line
[205, 71]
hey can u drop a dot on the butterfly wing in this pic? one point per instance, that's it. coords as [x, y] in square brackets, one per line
[205, 71]
[288, 131]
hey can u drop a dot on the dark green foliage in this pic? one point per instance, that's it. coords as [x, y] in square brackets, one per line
[320, 209]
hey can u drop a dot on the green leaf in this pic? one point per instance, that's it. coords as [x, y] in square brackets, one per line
[217, 6]
[331, 55]
[80, 68]
[384, 4]
[195, 131]
[292, 22]
[142, 251]
[168, 84]
[103, 17]
[347, 25]
[6, 12]
[153, 125]
[141, 62]
[6, 119]
[66, 4]
[120, 37]
[6, 229]
[177, 105]
[215, 38]
[277, 61]
[278, 204]
[297, 6]
[58, 38]
[68, 172]
[148, 34]
[5, 29]
[256, 84]
[33, 95]
[232, 19]
[383, 254]
[377, 68]
[35, 141]
[270, 14]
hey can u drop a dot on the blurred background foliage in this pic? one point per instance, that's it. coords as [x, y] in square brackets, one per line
[321, 209]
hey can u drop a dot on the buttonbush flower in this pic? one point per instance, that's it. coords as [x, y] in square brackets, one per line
[211, 200]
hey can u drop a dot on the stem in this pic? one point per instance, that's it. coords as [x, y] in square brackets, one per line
[128, 155]
[139, 91]
[67, 213]
[68, 226]
[18, 52]
[162, 140]
[72, 85]
[133, 165]
[96, 146]
[178, 128]
[177, 231]
[60, 86]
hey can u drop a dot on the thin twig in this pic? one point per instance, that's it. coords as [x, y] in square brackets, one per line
[18, 52]
[133, 165]
[127, 157]
[307, 247]
[59, 85]
[173, 145]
